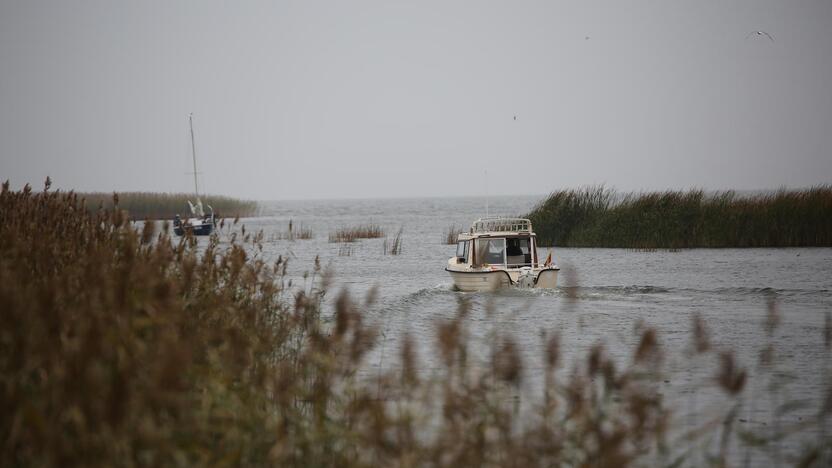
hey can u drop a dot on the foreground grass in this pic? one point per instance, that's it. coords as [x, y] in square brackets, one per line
[121, 347]
[150, 205]
[600, 217]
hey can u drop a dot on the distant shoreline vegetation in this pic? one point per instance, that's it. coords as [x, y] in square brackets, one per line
[601, 217]
[152, 205]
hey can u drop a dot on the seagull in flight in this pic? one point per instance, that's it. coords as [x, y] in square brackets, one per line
[759, 34]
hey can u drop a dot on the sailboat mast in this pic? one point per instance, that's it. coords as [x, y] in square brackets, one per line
[193, 153]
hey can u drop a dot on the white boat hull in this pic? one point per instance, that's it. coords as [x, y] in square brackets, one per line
[480, 281]
[485, 281]
[547, 279]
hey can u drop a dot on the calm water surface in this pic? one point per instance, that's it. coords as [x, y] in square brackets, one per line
[615, 293]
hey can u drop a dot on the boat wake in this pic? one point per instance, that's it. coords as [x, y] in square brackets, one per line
[443, 299]
[643, 292]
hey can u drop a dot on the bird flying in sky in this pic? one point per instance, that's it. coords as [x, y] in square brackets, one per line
[760, 34]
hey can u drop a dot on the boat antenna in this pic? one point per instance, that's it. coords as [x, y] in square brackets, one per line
[193, 153]
[486, 193]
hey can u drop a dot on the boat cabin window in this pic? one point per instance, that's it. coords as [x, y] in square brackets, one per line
[518, 251]
[462, 251]
[491, 251]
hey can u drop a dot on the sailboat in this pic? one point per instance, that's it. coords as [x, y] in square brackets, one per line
[199, 223]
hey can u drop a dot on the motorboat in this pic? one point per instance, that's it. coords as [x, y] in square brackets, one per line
[499, 253]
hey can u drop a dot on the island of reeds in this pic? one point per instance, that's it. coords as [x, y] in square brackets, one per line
[122, 346]
[602, 217]
[151, 205]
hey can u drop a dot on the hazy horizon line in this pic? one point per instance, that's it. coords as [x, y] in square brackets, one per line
[444, 196]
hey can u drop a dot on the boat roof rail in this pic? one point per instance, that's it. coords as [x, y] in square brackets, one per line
[499, 224]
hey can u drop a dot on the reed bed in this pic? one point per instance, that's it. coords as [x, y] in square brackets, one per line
[395, 247]
[351, 234]
[150, 205]
[294, 233]
[451, 234]
[125, 347]
[601, 217]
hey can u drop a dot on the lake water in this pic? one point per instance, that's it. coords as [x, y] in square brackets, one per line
[613, 294]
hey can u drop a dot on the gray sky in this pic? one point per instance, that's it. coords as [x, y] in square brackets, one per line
[385, 99]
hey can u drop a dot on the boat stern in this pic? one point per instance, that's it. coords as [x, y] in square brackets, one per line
[547, 278]
[471, 280]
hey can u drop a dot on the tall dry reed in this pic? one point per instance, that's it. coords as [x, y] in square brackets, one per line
[394, 247]
[351, 234]
[292, 233]
[451, 234]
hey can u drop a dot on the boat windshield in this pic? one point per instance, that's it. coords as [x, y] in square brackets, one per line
[518, 252]
[491, 251]
[462, 251]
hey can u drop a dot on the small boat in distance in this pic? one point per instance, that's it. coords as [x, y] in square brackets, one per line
[199, 223]
[498, 253]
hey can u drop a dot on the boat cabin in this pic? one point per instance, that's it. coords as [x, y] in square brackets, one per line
[499, 242]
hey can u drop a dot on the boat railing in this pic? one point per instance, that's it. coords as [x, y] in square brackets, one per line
[501, 225]
[520, 265]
